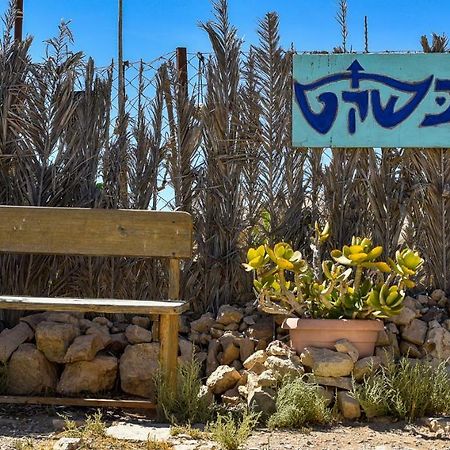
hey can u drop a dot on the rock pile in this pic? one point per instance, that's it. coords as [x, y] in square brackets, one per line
[69, 354]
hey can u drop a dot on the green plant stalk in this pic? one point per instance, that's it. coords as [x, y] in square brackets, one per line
[358, 275]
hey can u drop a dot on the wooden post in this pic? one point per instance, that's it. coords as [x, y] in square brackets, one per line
[168, 328]
[18, 23]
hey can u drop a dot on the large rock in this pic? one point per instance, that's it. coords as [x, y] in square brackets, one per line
[229, 314]
[365, 367]
[84, 348]
[138, 367]
[437, 343]
[34, 320]
[30, 372]
[53, 339]
[223, 379]
[10, 339]
[118, 343]
[277, 348]
[415, 332]
[212, 362]
[88, 376]
[282, 367]
[203, 324]
[348, 406]
[327, 363]
[336, 382]
[405, 317]
[246, 348]
[263, 329]
[138, 335]
[258, 358]
[186, 350]
[345, 346]
[262, 400]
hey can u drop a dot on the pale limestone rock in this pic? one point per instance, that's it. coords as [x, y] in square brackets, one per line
[365, 367]
[11, 338]
[415, 332]
[282, 367]
[30, 372]
[267, 379]
[229, 314]
[138, 335]
[337, 382]
[223, 379]
[88, 376]
[345, 346]
[53, 339]
[231, 397]
[437, 343]
[258, 357]
[138, 366]
[203, 324]
[327, 363]
[84, 348]
[277, 348]
[348, 406]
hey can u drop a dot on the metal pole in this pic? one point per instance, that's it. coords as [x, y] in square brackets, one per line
[18, 24]
[182, 69]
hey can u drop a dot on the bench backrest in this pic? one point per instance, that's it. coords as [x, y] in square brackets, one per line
[95, 232]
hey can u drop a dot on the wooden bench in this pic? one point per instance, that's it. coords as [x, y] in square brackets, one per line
[99, 232]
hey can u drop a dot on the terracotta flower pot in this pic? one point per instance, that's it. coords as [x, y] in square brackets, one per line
[325, 332]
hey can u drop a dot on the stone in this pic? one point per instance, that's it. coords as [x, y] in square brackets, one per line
[229, 354]
[409, 350]
[232, 327]
[104, 321]
[11, 338]
[277, 348]
[67, 443]
[211, 361]
[186, 350]
[54, 338]
[84, 348]
[246, 348]
[222, 379]
[138, 335]
[447, 324]
[412, 303]
[345, 346]
[385, 354]
[262, 400]
[262, 329]
[231, 397]
[229, 314]
[205, 395]
[437, 294]
[437, 343]
[415, 332]
[405, 317]
[382, 339]
[258, 357]
[118, 342]
[348, 406]
[63, 317]
[88, 376]
[102, 332]
[326, 394]
[393, 343]
[283, 367]
[423, 299]
[365, 367]
[261, 344]
[138, 366]
[143, 322]
[34, 320]
[216, 333]
[145, 432]
[267, 379]
[203, 324]
[327, 363]
[249, 320]
[30, 372]
[337, 382]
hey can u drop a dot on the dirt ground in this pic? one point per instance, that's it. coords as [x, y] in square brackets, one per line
[27, 427]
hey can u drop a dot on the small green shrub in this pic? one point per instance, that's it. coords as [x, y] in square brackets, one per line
[408, 389]
[93, 427]
[231, 432]
[299, 403]
[185, 405]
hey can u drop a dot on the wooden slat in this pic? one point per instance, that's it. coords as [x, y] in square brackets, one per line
[67, 401]
[93, 305]
[95, 232]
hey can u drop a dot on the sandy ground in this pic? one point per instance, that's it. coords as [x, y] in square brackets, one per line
[37, 424]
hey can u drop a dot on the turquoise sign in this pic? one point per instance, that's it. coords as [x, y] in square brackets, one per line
[371, 100]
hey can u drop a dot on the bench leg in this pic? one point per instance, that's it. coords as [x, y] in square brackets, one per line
[168, 335]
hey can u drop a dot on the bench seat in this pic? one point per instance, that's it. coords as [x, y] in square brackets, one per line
[103, 305]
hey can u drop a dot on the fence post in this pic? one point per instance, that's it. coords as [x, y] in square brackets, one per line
[18, 24]
[182, 69]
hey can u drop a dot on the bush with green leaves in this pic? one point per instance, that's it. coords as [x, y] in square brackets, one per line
[408, 389]
[231, 431]
[300, 403]
[186, 404]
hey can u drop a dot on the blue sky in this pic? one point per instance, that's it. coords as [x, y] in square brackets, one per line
[155, 27]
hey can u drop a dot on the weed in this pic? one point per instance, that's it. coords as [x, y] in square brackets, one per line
[231, 432]
[185, 405]
[158, 445]
[192, 432]
[299, 403]
[407, 390]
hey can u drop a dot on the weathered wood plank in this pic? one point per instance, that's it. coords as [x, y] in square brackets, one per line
[93, 305]
[68, 401]
[95, 232]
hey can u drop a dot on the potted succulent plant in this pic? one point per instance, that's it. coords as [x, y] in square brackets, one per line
[341, 297]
